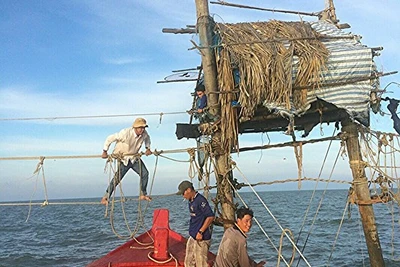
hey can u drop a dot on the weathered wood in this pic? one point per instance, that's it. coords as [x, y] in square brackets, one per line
[177, 80]
[189, 69]
[204, 26]
[360, 184]
[279, 40]
[329, 13]
[223, 3]
[313, 141]
[179, 31]
[264, 121]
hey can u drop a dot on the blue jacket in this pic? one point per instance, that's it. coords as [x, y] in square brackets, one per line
[199, 210]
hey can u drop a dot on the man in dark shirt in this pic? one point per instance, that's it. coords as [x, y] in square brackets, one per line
[201, 102]
[201, 112]
[232, 251]
[201, 217]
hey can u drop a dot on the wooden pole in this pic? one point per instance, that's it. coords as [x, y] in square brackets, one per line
[205, 28]
[360, 184]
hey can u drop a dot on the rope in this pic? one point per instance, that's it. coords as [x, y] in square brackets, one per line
[280, 248]
[39, 167]
[298, 152]
[320, 203]
[114, 156]
[240, 185]
[337, 233]
[33, 193]
[140, 220]
[259, 225]
[94, 116]
[192, 164]
[286, 144]
[171, 151]
[48, 203]
[140, 217]
[118, 179]
[315, 188]
[163, 262]
[274, 218]
[111, 165]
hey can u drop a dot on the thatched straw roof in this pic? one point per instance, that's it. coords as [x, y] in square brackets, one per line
[262, 55]
[287, 65]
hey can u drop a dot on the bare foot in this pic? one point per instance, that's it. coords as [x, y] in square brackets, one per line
[104, 200]
[145, 198]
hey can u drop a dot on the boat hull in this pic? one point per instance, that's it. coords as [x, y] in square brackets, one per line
[160, 246]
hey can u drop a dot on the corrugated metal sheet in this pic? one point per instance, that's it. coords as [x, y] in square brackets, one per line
[345, 82]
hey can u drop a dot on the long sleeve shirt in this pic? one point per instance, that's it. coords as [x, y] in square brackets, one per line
[232, 251]
[127, 142]
[201, 102]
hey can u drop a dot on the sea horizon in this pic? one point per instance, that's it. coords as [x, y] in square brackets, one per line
[75, 235]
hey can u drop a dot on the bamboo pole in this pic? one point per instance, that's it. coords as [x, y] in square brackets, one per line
[223, 3]
[223, 173]
[360, 184]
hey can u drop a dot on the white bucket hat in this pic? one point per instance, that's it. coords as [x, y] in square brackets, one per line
[139, 122]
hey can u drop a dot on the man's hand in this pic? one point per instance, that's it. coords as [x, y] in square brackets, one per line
[148, 152]
[104, 155]
[199, 236]
[261, 263]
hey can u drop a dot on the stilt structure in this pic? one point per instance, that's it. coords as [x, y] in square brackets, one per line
[279, 91]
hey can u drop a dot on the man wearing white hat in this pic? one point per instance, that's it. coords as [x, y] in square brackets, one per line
[128, 142]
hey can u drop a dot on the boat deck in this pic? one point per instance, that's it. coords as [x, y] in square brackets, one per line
[141, 251]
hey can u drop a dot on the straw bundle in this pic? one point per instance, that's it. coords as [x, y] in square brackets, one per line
[228, 114]
[263, 54]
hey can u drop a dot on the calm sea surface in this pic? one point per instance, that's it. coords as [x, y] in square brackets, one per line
[75, 235]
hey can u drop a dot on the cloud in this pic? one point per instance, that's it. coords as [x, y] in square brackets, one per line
[124, 53]
[120, 95]
[124, 60]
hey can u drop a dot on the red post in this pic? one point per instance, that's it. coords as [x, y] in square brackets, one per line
[161, 244]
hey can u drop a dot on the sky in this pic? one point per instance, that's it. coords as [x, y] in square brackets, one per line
[93, 58]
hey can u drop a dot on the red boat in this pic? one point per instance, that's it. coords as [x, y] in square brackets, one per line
[160, 246]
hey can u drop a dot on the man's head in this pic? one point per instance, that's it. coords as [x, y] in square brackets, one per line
[200, 90]
[185, 189]
[138, 125]
[244, 218]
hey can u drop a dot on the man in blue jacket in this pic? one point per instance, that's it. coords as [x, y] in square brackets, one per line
[201, 217]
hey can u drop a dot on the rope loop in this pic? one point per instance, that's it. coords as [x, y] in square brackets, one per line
[161, 116]
[157, 153]
[162, 262]
[286, 230]
[109, 159]
[232, 163]
[383, 140]
[191, 152]
[39, 165]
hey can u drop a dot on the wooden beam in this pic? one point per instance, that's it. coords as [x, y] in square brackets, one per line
[179, 31]
[223, 3]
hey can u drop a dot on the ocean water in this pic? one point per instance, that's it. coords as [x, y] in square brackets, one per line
[75, 235]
